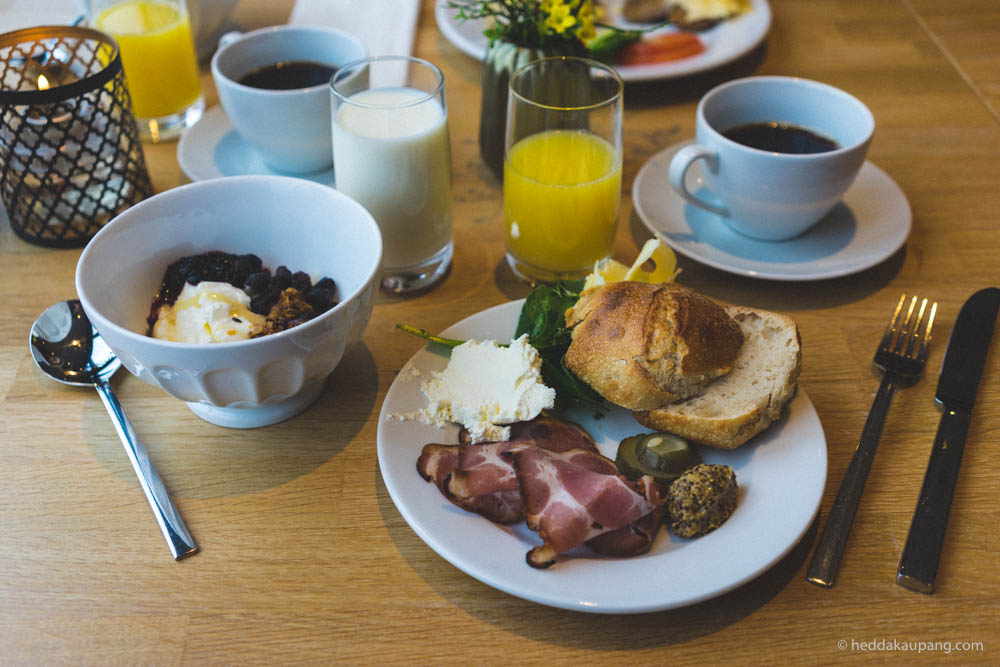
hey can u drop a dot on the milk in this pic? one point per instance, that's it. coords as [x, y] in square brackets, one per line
[392, 155]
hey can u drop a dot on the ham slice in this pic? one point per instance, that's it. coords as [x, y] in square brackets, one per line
[478, 478]
[490, 489]
[551, 474]
[437, 462]
[547, 432]
[572, 497]
[635, 538]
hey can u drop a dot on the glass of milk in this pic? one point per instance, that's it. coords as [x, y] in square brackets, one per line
[391, 153]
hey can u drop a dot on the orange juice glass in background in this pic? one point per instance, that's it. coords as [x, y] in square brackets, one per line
[562, 167]
[158, 54]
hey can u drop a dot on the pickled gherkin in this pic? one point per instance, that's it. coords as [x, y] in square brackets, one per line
[663, 456]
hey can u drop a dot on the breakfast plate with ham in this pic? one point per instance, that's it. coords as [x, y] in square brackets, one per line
[781, 473]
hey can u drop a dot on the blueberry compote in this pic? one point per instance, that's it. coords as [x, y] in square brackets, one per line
[285, 298]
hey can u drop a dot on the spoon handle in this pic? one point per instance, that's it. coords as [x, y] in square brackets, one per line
[171, 524]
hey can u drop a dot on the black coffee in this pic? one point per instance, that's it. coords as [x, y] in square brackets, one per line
[780, 138]
[289, 75]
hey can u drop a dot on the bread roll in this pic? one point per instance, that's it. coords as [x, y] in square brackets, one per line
[644, 345]
[743, 403]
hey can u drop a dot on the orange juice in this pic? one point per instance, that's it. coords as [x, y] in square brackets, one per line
[561, 193]
[161, 68]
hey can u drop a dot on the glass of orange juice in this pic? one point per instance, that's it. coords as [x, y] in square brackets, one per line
[158, 54]
[562, 167]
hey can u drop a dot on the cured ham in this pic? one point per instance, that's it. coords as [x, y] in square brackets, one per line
[547, 432]
[437, 462]
[575, 496]
[633, 539]
[551, 474]
[485, 483]
[478, 478]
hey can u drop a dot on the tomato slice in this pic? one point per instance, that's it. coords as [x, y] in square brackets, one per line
[661, 48]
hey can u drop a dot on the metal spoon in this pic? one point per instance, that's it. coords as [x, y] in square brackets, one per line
[67, 347]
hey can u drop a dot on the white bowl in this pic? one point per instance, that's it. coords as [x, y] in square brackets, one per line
[300, 224]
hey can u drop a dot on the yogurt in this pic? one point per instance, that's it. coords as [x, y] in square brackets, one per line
[209, 312]
[392, 154]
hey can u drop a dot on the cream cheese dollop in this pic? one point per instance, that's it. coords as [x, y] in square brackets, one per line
[485, 388]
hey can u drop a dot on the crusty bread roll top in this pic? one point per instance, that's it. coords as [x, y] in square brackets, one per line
[644, 345]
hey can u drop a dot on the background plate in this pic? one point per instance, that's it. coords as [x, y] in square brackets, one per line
[724, 43]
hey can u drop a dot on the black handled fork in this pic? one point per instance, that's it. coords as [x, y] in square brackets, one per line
[901, 355]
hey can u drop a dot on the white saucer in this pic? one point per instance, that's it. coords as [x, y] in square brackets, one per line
[211, 148]
[868, 226]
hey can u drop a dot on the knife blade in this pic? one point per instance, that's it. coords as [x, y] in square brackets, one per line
[961, 371]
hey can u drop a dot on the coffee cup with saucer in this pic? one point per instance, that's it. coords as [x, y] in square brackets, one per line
[289, 127]
[777, 153]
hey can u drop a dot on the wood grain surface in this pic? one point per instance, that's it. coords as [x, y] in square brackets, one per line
[305, 558]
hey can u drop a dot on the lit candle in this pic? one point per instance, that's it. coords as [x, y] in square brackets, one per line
[49, 72]
[51, 131]
[67, 155]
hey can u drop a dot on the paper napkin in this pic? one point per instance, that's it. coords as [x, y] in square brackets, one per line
[17, 14]
[387, 27]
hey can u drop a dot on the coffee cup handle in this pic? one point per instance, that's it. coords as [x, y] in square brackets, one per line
[679, 166]
[229, 38]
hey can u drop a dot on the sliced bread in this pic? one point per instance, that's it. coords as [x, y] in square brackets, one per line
[742, 403]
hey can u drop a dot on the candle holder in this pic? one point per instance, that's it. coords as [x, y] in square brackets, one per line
[70, 154]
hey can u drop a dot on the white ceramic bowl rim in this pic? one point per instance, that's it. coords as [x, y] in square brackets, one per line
[180, 191]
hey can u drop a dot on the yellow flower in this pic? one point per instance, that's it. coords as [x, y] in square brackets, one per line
[560, 16]
[561, 20]
[548, 24]
[587, 17]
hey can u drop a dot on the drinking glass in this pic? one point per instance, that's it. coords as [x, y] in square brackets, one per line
[161, 68]
[392, 154]
[562, 167]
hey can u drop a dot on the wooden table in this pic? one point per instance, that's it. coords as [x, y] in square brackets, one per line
[306, 559]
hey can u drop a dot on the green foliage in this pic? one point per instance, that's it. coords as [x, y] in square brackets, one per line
[427, 335]
[608, 43]
[543, 318]
[543, 314]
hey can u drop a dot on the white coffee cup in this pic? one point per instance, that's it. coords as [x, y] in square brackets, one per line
[289, 128]
[765, 194]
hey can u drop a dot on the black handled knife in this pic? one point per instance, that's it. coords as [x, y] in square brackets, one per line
[956, 393]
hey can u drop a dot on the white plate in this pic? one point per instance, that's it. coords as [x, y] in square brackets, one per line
[868, 226]
[724, 43]
[781, 473]
[212, 148]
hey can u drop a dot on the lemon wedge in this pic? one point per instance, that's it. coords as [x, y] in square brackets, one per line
[664, 261]
[611, 271]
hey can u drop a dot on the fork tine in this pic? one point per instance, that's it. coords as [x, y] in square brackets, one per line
[915, 332]
[890, 328]
[904, 331]
[922, 353]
